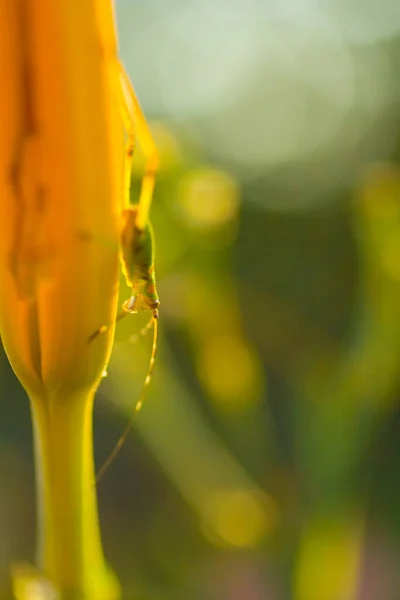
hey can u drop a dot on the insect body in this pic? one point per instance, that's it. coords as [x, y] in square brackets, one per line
[137, 247]
[138, 266]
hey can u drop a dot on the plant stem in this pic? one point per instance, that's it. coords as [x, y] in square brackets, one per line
[329, 562]
[69, 552]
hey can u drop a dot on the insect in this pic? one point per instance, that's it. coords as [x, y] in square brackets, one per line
[137, 246]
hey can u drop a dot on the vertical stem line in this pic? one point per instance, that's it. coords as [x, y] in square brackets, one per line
[70, 553]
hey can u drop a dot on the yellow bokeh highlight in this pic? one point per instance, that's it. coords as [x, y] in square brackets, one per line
[239, 517]
[329, 561]
[209, 198]
[229, 370]
[29, 584]
[391, 255]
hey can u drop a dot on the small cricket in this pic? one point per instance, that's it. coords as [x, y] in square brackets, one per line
[136, 243]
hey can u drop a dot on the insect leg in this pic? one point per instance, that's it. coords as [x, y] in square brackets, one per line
[105, 328]
[134, 338]
[143, 332]
[135, 123]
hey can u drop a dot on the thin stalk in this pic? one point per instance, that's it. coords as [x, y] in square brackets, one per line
[70, 553]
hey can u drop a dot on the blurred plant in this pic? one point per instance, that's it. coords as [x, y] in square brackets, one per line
[223, 440]
[342, 405]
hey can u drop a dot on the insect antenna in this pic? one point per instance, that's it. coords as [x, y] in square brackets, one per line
[139, 404]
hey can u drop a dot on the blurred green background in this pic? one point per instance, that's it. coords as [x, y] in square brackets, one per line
[264, 463]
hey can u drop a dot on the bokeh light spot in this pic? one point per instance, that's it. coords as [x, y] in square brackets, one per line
[328, 565]
[229, 370]
[209, 198]
[241, 518]
[28, 584]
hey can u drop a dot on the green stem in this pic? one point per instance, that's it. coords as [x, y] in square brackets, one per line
[330, 558]
[70, 552]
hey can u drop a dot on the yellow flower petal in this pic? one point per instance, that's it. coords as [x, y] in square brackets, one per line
[61, 193]
[61, 159]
